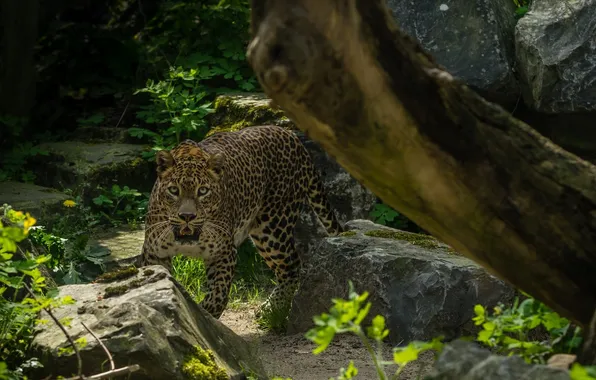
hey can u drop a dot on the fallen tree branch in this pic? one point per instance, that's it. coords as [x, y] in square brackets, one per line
[68, 337]
[105, 349]
[459, 167]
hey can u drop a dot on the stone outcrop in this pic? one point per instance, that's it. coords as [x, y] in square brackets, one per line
[41, 202]
[422, 287]
[84, 166]
[145, 319]
[466, 360]
[556, 56]
[473, 40]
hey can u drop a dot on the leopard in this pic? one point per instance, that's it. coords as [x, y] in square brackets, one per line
[211, 196]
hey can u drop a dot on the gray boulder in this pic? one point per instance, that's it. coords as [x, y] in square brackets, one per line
[473, 40]
[146, 319]
[462, 360]
[348, 197]
[555, 55]
[420, 285]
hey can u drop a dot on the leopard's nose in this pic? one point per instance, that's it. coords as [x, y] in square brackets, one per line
[187, 216]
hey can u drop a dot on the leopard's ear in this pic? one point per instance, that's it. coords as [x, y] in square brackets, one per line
[165, 161]
[215, 165]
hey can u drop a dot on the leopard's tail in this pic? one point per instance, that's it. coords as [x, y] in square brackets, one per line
[320, 203]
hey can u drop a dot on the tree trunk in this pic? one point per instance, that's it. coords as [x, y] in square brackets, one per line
[17, 67]
[460, 167]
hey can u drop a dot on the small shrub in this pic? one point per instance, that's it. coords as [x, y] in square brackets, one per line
[346, 316]
[23, 294]
[120, 204]
[514, 330]
[385, 215]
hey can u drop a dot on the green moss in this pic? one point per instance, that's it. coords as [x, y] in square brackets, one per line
[348, 233]
[148, 272]
[235, 112]
[420, 240]
[200, 365]
[112, 291]
[119, 274]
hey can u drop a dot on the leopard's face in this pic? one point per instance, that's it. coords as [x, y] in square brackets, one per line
[191, 194]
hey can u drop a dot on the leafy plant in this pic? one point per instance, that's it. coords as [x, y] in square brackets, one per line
[385, 215]
[23, 293]
[346, 316]
[92, 121]
[194, 69]
[522, 7]
[121, 204]
[514, 330]
[179, 102]
[13, 162]
[66, 243]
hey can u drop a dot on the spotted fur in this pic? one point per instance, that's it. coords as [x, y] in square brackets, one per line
[210, 196]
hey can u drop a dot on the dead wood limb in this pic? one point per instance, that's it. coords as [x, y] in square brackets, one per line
[458, 166]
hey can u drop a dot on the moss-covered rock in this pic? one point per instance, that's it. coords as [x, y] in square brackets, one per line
[421, 289]
[150, 320]
[424, 241]
[200, 365]
[83, 166]
[41, 202]
[236, 111]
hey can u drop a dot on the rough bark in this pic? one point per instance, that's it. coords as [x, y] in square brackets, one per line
[460, 167]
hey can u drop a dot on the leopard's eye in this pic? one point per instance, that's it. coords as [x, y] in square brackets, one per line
[173, 190]
[202, 190]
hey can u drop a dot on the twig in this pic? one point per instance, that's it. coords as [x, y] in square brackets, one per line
[116, 372]
[105, 349]
[123, 113]
[61, 326]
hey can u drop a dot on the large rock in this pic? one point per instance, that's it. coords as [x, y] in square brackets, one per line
[555, 55]
[472, 39]
[462, 360]
[420, 285]
[42, 203]
[235, 111]
[154, 324]
[83, 166]
[348, 197]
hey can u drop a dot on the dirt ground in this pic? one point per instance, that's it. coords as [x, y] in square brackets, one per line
[291, 356]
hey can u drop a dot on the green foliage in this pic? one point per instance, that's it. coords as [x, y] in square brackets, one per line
[579, 372]
[196, 67]
[67, 243]
[121, 204]
[13, 162]
[346, 316]
[92, 121]
[200, 365]
[178, 102]
[516, 330]
[23, 293]
[252, 276]
[385, 215]
[522, 7]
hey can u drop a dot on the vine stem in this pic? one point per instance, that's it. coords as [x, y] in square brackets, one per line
[371, 351]
[61, 326]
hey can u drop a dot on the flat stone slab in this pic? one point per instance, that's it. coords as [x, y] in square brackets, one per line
[37, 200]
[72, 164]
[121, 246]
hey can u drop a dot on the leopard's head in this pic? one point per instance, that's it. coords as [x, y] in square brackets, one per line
[190, 189]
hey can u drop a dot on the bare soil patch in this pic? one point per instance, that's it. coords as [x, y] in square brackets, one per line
[291, 355]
